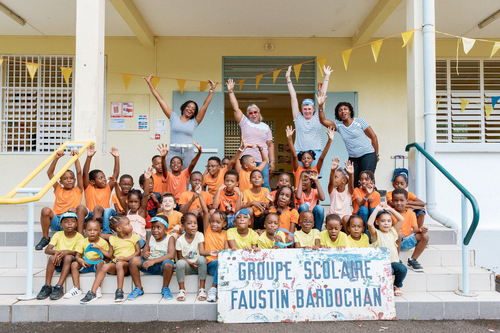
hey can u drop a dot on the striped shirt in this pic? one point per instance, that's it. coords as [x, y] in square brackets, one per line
[355, 139]
[255, 134]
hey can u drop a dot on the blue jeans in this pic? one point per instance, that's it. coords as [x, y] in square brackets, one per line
[365, 162]
[156, 269]
[265, 172]
[212, 269]
[108, 212]
[365, 214]
[318, 213]
[399, 271]
[316, 158]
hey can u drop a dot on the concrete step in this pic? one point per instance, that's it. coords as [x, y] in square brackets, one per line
[439, 255]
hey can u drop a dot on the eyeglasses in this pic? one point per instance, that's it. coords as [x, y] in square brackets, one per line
[253, 112]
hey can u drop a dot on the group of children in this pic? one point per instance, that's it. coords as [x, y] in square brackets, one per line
[227, 207]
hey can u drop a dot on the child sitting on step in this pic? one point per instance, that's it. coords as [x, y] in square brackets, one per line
[414, 203]
[307, 237]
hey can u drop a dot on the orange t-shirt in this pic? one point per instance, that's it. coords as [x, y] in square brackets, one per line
[249, 196]
[159, 185]
[244, 183]
[227, 203]
[115, 201]
[97, 197]
[212, 183]
[409, 223]
[66, 199]
[173, 220]
[177, 184]
[299, 171]
[214, 241]
[312, 199]
[359, 193]
[187, 195]
[287, 218]
[411, 196]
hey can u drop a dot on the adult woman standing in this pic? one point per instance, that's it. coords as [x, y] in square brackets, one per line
[355, 132]
[182, 128]
[255, 132]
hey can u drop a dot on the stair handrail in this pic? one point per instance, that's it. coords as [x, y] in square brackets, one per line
[9, 198]
[460, 187]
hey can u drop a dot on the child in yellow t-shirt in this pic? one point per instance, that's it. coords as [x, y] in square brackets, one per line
[308, 236]
[242, 237]
[356, 228]
[332, 237]
[268, 239]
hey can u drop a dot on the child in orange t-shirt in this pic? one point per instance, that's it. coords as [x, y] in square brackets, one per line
[177, 180]
[365, 198]
[126, 183]
[160, 185]
[214, 176]
[153, 200]
[68, 198]
[283, 180]
[414, 203]
[256, 200]
[284, 204]
[98, 192]
[247, 164]
[189, 201]
[309, 197]
[229, 197]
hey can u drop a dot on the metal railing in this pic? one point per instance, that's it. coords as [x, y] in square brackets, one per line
[35, 194]
[466, 195]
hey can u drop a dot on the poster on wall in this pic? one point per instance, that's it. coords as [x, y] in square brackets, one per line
[128, 109]
[142, 122]
[304, 285]
[117, 124]
[160, 126]
[116, 110]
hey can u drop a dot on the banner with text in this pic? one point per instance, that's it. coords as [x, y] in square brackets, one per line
[305, 285]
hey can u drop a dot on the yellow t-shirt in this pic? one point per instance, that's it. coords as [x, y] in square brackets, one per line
[242, 242]
[61, 242]
[388, 240]
[341, 240]
[306, 239]
[123, 247]
[82, 245]
[363, 241]
[266, 243]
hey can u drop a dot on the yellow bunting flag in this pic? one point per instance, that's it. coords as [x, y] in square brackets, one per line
[493, 51]
[203, 85]
[458, 46]
[488, 109]
[126, 80]
[257, 80]
[345, 56]
[463, 104]
[32, 69]
[181, 84]
[155, 81]
[275, 75]
[406, 37]
[1, 61]
[296, 69]
[241, 83]
[66, 73]
[321, 62]
[438, 101]
[376, 49]
[468, 44]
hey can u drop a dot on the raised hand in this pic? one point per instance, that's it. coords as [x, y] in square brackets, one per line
[197, 145]
[349, 167]
[327, 70]
[335, 163]
[59, 154]
[244, 143]
[321, 97]
[287, 75]
[313, 175]
[230, 85]
[112, 179]
[114, 152]
[148, 79]
[331, 133]
[198, 190]
[370, 188]
[269, 196]
[163, 149]
[148, 173]
[289, 131]
[91, 151]
[212, 84]
[74, 152]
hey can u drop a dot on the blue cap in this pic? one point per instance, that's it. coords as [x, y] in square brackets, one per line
[384, 212]
[307, 101]
[69, 214]
[160, 219]
[243, 211]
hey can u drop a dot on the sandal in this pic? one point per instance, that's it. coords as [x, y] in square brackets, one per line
[397, 292]
[181, 297]
[202, 295]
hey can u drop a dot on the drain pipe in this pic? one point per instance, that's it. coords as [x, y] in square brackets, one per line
[429, 50]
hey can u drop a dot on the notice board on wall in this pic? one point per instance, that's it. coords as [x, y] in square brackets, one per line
[128, 112]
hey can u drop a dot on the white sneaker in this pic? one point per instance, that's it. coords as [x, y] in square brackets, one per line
[212, 295]
[73, 292]
[98, 293]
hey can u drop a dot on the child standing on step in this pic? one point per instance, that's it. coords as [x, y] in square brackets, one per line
[341, 189]
[60, 260]
[67, 197]
[307, 237]
[384, 234]
[124, 246]
[414, 203]
[310, 197]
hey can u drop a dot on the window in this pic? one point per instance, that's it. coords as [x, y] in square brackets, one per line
[37, 115]
[477, 82]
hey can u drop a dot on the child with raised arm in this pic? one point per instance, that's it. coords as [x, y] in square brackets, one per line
[124, 246]
[414, 203]
[332, 237]
[67, 197]
[98, 192]
[341, 188]
[80, 265]
[247, 164]
[385, 234]
[256, 200]
[229, 197]
[307, 237]
[189, 202]
[156, 259]
[215, 174]
[225, 162]
[177, 180]
[267, 240]
[61, 257]
[356, 228]
[154, 198]
[158, 178]
[126, 183]
[309, 197]
[241, 237]
[365, 197]
[307, 158]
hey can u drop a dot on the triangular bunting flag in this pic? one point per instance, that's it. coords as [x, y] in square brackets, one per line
[376, 49]
[66, 73]
[1, 61]
[321, 62]
[241, 83]
[345, 56]
[494, 100]
[275, 75]
[438, 101]
[493, 50]
[407, 36]
[126, 80]
[32, 69]
[463, 104]
[488, 109]
[296, 69]
[203, 85]
[458, 46]
[181, 84]
[468, 44]
[257, 80]
[155, 81]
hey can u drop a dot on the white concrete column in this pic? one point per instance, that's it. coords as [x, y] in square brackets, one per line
[89, 70]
